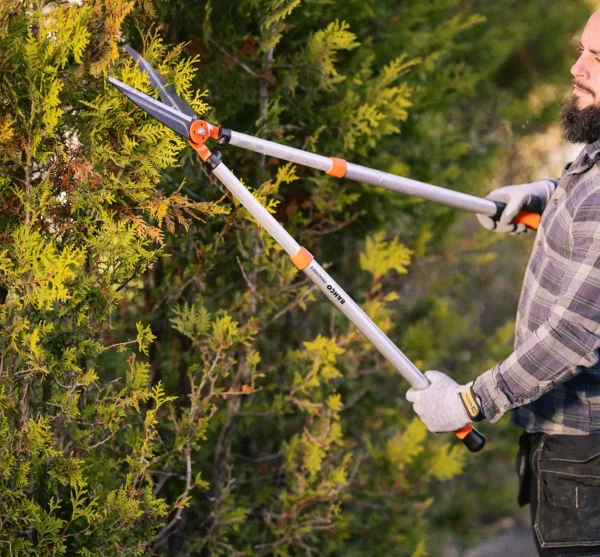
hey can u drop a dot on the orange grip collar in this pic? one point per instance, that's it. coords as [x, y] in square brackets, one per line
[302, 259]
[338, 167]
[464, 431]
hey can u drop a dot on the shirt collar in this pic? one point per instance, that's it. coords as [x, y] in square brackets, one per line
[593, 150]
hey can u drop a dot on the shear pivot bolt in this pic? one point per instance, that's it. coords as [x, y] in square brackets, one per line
[199, 131]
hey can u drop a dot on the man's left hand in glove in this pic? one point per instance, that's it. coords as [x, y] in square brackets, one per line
[445, 405]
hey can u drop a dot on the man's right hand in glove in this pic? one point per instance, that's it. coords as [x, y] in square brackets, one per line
[517, 198]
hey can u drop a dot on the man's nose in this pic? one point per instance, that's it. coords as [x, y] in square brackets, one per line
[579, 69]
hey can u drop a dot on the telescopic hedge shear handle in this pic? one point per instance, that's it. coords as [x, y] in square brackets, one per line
[530, 216]
[181, 119]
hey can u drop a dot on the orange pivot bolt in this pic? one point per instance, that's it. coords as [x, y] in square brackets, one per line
[200, 131]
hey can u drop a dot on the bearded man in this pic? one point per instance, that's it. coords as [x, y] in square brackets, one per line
[551, 382]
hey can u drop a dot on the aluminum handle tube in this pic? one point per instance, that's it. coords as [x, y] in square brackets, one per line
[325, 283]
[256, 209]
[471, 438]
[279, 151]
[316, 273]
[444, 196]
[365, 325]
[366, 175]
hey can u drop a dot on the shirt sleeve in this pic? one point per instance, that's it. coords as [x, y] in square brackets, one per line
[567, 342]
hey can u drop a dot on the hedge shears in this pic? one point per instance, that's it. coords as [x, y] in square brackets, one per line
[174, 113]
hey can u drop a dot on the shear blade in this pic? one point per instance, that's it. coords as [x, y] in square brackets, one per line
[166, 91]
[170, 117]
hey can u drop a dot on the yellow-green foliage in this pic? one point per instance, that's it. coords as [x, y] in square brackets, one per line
[81, 220]
[273, 24]
[61, 34]
[442, 463]
[322, 49]
[36, 273]
[381, 256]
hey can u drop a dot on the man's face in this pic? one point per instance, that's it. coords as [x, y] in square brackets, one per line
[586, 71]
[581, 111]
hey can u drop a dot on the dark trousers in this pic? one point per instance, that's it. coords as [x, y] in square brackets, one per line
[560, 477]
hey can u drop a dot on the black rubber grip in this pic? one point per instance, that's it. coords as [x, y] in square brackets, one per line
[224, 136]
[214, 160]
[474, 441]
[534, 206]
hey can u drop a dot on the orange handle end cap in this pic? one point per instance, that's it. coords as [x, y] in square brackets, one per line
[530, 220]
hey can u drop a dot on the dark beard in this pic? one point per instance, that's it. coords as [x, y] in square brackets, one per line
[580, 125]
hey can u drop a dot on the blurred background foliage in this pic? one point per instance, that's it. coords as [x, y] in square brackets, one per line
[169, 384]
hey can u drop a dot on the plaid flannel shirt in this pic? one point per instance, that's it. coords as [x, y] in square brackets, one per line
[551, 381]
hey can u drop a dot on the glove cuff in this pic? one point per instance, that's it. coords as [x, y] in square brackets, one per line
[469, 401]
[543, 189]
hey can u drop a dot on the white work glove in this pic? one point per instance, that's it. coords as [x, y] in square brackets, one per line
[440, 405]
[516, 197]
